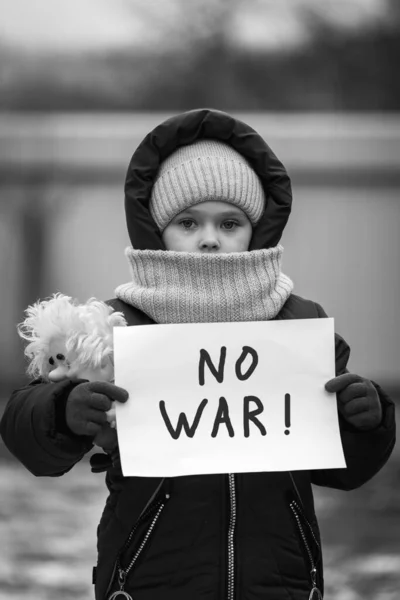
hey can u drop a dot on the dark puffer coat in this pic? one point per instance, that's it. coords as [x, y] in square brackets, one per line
[248, 536]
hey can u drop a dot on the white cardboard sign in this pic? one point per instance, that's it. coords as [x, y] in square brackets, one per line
[227, 398]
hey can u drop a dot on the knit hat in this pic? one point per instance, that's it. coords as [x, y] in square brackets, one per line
[203, 171]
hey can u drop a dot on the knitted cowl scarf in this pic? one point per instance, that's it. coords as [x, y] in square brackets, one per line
[191, 287]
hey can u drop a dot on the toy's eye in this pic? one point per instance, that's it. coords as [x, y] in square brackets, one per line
[51, 360]
[60, 357]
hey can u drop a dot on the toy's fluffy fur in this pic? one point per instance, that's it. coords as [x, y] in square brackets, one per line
[85, 329]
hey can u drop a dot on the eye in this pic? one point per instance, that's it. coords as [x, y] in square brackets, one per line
[51, 361]
[187, 223]
[229, 225]
[60, 357]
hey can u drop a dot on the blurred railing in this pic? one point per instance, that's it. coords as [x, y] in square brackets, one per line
[345, 172]
[81, 146]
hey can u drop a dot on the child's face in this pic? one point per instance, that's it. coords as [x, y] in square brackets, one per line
[209, 227]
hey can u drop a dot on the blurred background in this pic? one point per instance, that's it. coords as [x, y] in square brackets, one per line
[81, 84]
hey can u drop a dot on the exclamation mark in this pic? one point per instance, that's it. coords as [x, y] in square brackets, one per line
[287, 413]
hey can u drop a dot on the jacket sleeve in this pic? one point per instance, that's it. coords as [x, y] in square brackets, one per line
[34, 430]
[365, 452]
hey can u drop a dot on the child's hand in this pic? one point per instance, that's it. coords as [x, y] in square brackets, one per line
[87, 405]
[358, 400]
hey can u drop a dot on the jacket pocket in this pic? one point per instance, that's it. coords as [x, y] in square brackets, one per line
[134, 547]
[311, 549]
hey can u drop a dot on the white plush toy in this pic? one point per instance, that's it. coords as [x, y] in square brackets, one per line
[73, 341]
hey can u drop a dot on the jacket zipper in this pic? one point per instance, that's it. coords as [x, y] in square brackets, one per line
[123, 573]
[231, 537]
[315, 593]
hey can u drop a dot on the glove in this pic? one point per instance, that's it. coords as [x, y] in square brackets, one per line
[358, 400]
[87, 404]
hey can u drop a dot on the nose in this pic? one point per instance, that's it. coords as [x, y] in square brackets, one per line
[209, 242]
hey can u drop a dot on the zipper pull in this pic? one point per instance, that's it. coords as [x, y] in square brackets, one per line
[315, 594]
[121, 578]
[121, 593]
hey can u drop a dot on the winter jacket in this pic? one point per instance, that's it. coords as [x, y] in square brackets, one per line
[245, 536]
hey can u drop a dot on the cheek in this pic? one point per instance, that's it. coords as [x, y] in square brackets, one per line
[248, 237]
[242, 242]
[176, 239]
[167, 237]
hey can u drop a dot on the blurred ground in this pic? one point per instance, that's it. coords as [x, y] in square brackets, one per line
[48, 534]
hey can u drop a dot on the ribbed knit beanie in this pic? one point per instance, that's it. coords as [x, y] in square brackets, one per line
[203, 171]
